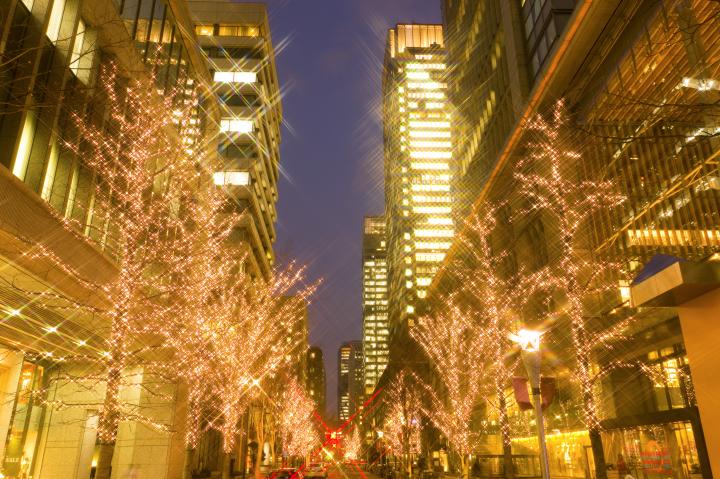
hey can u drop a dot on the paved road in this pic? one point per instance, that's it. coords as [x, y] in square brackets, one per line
[343, 471]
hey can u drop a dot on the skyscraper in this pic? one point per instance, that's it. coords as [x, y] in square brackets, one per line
[418, 170]
[235, 38]
[316, 377]
[375, 301]
[350, 379]
[497, 49]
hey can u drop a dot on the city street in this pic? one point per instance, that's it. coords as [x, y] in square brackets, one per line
[451, 238]
[347, 471]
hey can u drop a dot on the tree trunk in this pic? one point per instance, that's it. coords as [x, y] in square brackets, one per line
[104, 463]
[227, 462]
[260, 436]
[108, 423]
[464, 466]
[258, 460]
[187, 465]
[509, 471]
[598, 453]
[508, 466]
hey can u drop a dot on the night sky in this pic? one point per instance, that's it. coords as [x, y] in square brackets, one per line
[329, 60]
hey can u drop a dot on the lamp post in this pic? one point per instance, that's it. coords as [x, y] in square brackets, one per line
[529, 342]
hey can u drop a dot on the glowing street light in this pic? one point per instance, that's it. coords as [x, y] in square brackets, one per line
[529, 342]
[528, 339]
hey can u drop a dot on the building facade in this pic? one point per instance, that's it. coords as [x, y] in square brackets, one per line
[52, 54]
[495, 52]
[237, 46]
[376, 334]
[316, 378]
[418, 171]
[638, 85]
[350, 379]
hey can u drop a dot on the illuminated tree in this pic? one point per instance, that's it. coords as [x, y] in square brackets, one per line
[492, 296]
[353, 445]
[257, 341]
[403, 418]
[136, 153]
[451, 341]
[551, 178]
[296, 424]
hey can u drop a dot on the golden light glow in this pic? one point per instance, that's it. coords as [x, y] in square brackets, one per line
[233, 125]
[429, 134]
[234, 77]
[527, 339]
[665, 237]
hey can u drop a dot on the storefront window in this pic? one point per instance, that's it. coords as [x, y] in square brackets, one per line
[672, 384]
[25, 424]
[654, 452]
[568, 452]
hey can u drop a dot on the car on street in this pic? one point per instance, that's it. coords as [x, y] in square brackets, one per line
[316, 469]
[286, 473]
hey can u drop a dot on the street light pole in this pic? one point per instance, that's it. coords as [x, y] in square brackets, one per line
[532, 365]
[529, 342]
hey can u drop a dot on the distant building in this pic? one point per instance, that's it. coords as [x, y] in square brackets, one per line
[350, 379]
[316, 377]
[375, 301]
[299, 353]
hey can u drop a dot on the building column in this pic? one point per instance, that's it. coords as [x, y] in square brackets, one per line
[700, 322]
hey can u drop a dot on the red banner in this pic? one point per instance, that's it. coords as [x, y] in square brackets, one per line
[522, 394]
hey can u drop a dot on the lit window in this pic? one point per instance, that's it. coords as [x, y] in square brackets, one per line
[56, 14]
[436, 188]
[231, 178]
[238, 31]
[50, 172]
[421, 245]
[431, 155]
[429, 134]
[204, 30]
[430, 144]
[418, 75]
[77, 48]
[410, 309]
[429, 124]
[236, 126]
[425, 66]
[432, 209]
[235, 77]
[436, 95]
[429, 257]
[430, 85]
[429, 166]
[431, 199]
[23, 151]
[440, 221]
[434, 233]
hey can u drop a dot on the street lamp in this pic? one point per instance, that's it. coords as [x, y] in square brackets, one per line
[529, 342]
